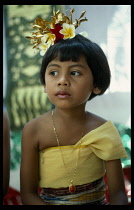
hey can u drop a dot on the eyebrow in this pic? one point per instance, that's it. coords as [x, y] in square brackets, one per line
[74, 65]
[52, 65]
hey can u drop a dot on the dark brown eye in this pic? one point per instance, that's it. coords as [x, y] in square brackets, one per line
[54, 73]
[75, 73]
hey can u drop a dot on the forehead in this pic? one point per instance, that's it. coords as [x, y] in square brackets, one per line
[81, 61]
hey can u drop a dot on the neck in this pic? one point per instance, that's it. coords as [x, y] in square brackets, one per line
[74, 113]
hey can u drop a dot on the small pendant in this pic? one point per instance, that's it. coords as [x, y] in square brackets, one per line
[72, 188]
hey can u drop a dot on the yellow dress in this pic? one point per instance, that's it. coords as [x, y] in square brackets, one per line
[99, 145]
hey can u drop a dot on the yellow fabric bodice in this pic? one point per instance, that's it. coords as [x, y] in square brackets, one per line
[99, 145]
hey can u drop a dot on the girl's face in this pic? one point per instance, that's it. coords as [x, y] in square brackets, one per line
[69, 84]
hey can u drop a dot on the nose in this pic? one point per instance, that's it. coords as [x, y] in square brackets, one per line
[63, 81]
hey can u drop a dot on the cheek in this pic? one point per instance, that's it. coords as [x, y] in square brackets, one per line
[85, 90]
[45, 89]
[88, 83]
[47, 82]
[48, 87]
[88, 88]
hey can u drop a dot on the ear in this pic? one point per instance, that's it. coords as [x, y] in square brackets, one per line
[96, 90]
[45, 89]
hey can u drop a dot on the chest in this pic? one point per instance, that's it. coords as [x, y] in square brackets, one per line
[62, 133]
[62, 136]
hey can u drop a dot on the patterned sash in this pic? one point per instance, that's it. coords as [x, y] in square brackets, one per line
[87, 194]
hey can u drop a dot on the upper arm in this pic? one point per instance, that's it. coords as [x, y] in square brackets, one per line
[29, 161]
[115, 178]
[6, 152]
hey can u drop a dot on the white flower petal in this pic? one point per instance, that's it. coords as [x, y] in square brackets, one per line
[43, 46]
[84, 33]
[44, 38]
[42, 52]
[68, 31]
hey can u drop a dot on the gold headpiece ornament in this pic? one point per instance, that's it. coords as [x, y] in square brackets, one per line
[61, 27]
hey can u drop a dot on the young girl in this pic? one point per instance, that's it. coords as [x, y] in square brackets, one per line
[67, 151]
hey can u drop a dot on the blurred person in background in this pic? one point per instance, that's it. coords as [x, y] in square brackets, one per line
[6, 152]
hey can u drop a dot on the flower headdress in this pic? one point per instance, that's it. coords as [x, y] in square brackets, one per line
[61, 27]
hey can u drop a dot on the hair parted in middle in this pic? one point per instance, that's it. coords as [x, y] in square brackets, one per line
[72, 49]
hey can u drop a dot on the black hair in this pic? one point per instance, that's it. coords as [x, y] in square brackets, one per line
[72, 49]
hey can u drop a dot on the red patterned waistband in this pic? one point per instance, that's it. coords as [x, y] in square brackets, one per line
[79, 188]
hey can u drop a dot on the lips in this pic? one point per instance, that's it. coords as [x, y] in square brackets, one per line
[62, 94]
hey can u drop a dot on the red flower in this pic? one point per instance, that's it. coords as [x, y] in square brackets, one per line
[56, 32]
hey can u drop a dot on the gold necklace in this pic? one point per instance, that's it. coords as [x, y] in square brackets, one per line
[72, 188]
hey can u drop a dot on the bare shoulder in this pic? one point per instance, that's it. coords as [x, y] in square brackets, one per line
[36, 129]
[94, 121]
[36, 123]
